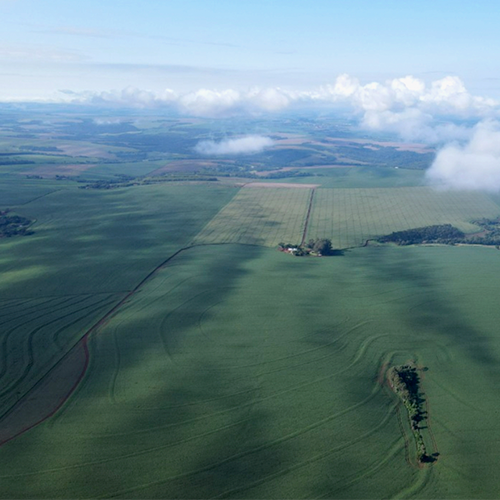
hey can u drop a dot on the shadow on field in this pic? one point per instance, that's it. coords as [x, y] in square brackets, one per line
[439, 314]
[183, 429]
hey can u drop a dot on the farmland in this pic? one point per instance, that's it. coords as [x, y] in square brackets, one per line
[260, 216]
[86, 254]
[351, 216]
[155, 344]
[231, 383]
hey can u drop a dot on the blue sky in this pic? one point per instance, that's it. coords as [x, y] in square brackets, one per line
[48, 45]
[426, 70]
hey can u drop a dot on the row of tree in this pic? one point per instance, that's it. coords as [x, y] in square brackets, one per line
[405, 382]
[444, 233]
[447, 234]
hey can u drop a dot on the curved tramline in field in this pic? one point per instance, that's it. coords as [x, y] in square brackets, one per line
[258, 215]
[50, 392]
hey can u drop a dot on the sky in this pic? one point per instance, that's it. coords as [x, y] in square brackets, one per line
[184, 45]
[426, 70]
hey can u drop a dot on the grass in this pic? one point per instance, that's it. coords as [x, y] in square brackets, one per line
[239, 372]
[351, 216]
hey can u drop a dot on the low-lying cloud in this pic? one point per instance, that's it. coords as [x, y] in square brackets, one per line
[474, 165]
[407, 106]
[442, 113]
[244, 145]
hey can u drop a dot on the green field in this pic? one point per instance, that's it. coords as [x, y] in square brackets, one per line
[351, 216]
[260, 216]
[357, 176]
[267, 216]
[89, 249]
[216, 366]
[233, 384]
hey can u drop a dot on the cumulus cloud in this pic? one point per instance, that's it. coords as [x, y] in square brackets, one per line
[406, 106]
[244, 145]
[474, 165]
[410, 108]
[202, 102]
[130, 97]
[447, 95]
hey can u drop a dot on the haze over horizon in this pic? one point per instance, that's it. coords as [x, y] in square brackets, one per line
[426, 73]
[96, 46]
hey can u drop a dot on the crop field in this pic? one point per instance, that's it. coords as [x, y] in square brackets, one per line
[155, 344]
[351, 216]
[231, 384]
[355, 176]
[260, 216]
[89, 250]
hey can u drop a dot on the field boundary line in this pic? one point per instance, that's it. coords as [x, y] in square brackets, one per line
[308, 216]
[39, 197]
[193, 241]
[82, 343]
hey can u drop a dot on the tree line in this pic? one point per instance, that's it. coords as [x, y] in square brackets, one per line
[447, 234]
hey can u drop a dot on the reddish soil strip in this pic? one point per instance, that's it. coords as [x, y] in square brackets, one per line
[295, 139]
[336, 165]
[279, 185]
[382, 374]
[264, 173]
[384, 382]
[49, 394]
[403, 433]
[309, 209]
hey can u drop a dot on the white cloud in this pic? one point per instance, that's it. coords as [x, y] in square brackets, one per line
[271, 99]
[407, 106]
[202, 102]
[474, 165]
[244, 145]
[210, 102]
[410, 108]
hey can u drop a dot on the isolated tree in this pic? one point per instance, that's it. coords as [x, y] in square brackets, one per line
[322, 246]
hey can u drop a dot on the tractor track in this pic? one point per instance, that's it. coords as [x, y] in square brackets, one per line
[11, 421]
